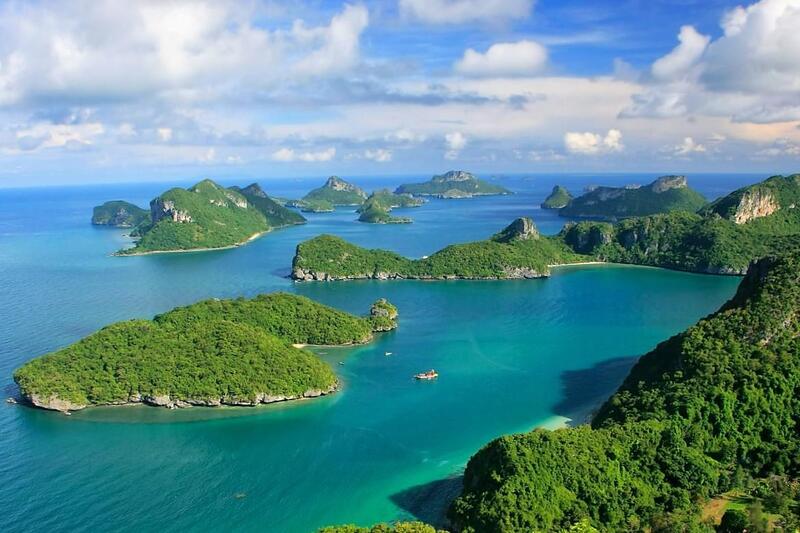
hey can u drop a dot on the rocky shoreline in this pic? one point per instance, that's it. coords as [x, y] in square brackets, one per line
[54, 403]
[300, 274]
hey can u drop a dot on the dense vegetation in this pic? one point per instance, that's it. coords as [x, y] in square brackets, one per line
[558, 198]
[399, 527]
[704, 242]
[336, 191]
[453, 184]
[120, 214]
[329, 257]
[664, 195]
[215, 351]
[204, 216]
[377, 207]
[276, 214]
[697, 416]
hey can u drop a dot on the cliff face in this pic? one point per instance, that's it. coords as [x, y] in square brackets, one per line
[522, 229]
[161, 209]
[666, 183]
[755, 203]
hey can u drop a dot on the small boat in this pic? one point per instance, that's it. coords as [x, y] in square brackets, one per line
[341, 362]
[387, 353]
[430, 374]
[11, 400]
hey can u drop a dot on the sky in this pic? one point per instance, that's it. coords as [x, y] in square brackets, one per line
[95, 91]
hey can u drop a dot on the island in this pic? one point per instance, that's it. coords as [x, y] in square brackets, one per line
[517, 252]
[722, 238]
[452, 184]
[215, 352]
[664, 195]
[711, 410]
[208, 216]
[119, 214]
[335, 192]
[558, 198]
[377, 207]
[274, 211]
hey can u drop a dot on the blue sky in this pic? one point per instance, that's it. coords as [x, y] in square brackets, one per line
[108, 90]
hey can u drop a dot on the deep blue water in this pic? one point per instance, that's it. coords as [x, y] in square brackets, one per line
[507, 353]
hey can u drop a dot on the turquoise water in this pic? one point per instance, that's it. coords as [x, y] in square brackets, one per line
[511, 356]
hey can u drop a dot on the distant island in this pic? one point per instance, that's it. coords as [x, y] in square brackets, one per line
[453, 184]
[207, 216]
[723, 238]
[558, 198]
[215, 352]
[664, 195]
[119, 214]
[711, 410]
[335, 192]
[519, 251]
[377, 207]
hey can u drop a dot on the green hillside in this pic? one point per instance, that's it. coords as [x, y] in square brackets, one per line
[120, 214]
[453, 184]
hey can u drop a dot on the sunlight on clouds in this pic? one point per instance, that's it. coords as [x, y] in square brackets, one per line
[522, 58]
[288, 155]
[588, 143]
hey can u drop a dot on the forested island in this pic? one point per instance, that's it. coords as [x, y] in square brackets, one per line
[215, 352]
[664, 195]
[335, 192]
[204, 216]
[559, 197]
[377, 207]
[722, 238]
[710, 410]
[119, 214]
[452, 184]
[519, 251]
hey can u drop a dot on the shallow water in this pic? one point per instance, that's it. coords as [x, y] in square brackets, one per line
[511, 356]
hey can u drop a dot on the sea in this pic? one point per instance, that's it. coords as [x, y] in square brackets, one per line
[512, 356]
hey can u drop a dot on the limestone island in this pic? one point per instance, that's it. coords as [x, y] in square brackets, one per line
[517, 252]
[664, 195]
[119, 214]
[215, 352]
[452, 185]
[335, 192]
[208, 216]
[723, 237]
[377, 207]
[558, 198]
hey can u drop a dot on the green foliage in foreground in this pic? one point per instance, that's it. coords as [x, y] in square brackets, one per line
[697, 414]
[216, 349]
[219, 217]
[483, 259]
[120, 214]
[558, 198]
[398, 527]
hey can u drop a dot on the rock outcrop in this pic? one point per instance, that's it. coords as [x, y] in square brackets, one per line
[521, 229]
[665, 183]
[755, 203]
[161, 209]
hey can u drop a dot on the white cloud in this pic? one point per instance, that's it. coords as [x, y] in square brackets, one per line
[749, 74]
[781, 147]
[522, 58]
[45, 135]
[461, 11]
[405, 136]
[455, 141]
[688, 147]
[678, 63]
[379, 155]
[165, 134]
[588, 143]
[102, 51]
[288, 155]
